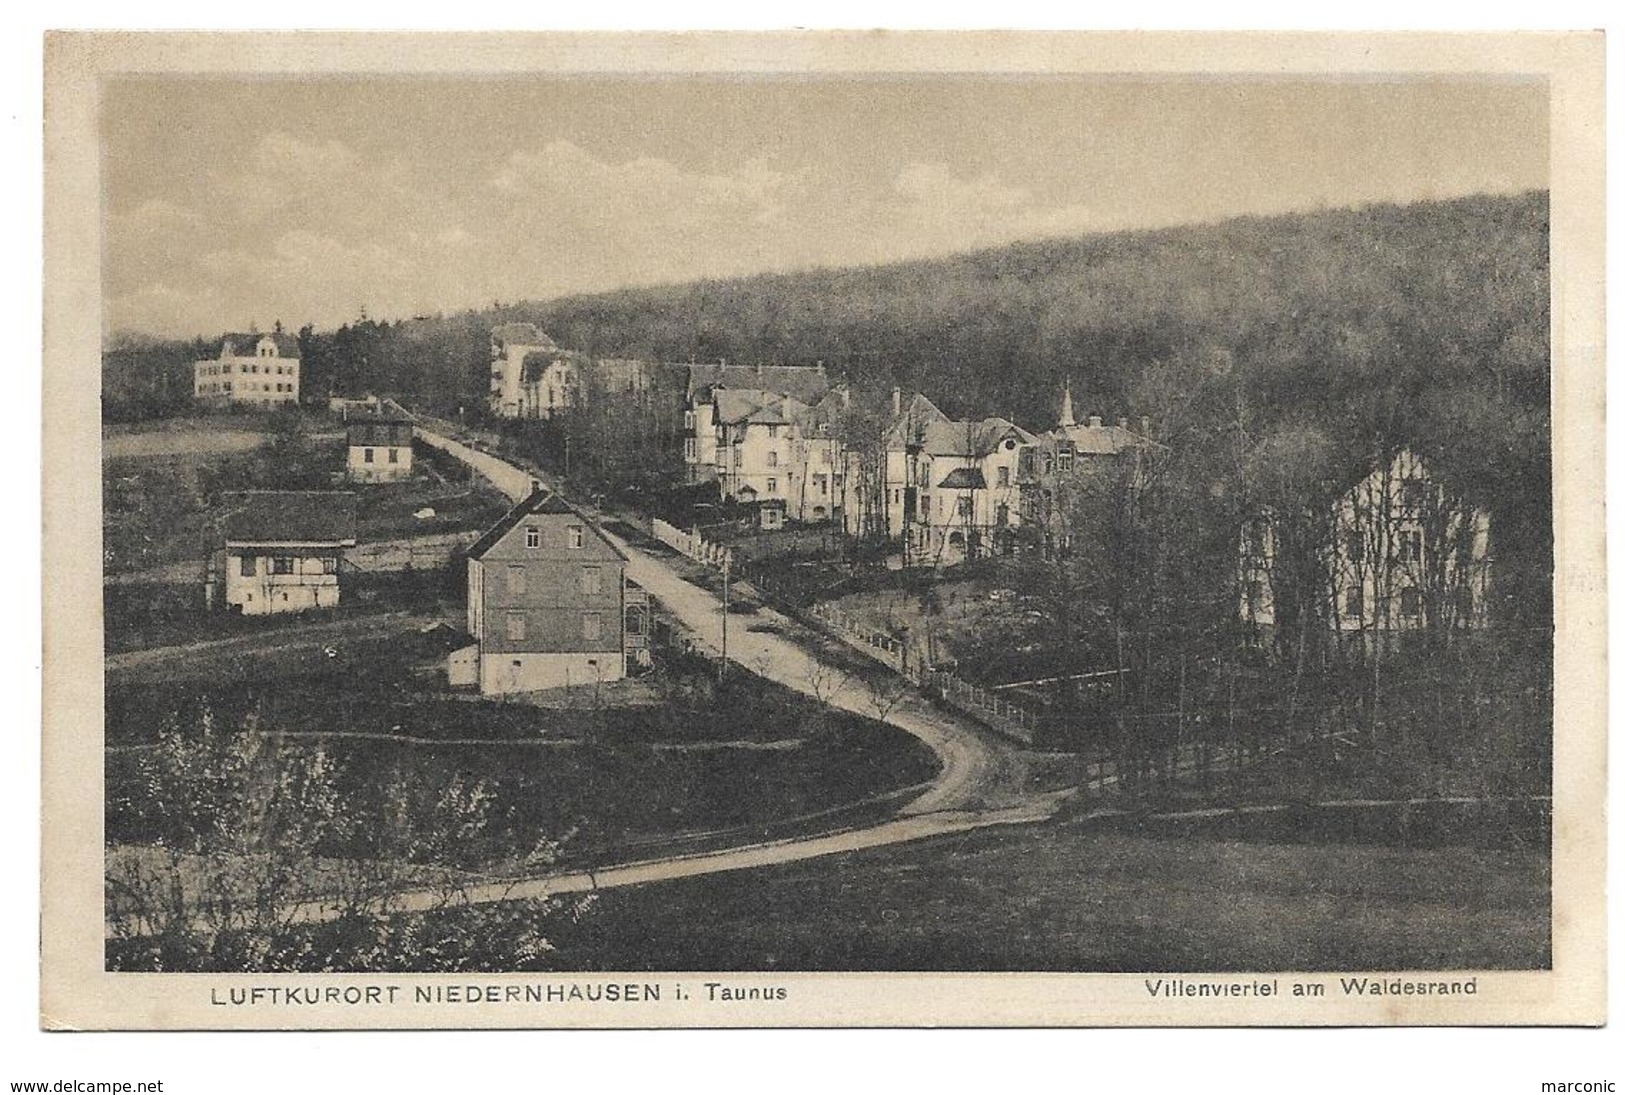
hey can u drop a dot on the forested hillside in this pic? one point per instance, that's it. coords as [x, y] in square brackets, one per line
[1309, 341]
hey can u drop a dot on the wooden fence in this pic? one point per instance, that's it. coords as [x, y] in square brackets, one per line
[692, 544]
[983, 704]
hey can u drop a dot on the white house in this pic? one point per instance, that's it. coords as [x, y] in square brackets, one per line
[379, 442]
[962, 480]
[1403, 556]
[807, 385]
[531, 375]
[281, 551]
[257, 369]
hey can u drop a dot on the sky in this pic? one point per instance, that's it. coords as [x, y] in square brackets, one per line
[237, 201]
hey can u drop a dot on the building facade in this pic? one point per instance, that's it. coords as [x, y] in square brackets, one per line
[704, 456]
[281, 551]
[254, 369]
[961, 478]
[1403, 556]
[379, 444]
[548, 601]
[1055, 473]
[531, 375]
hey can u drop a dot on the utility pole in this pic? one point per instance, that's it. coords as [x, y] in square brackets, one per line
[727, 567]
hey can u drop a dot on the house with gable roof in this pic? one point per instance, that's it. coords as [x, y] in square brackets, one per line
[280, 551]
[961, 478]
[531, 375]
[549, 604]
[1053, 468]
[255, 369]
[703, 455]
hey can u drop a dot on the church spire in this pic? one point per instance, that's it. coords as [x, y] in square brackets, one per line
[1067, 420]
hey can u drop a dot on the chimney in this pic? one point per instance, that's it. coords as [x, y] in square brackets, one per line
[1094, 422]
[897, 402]
[1067, 421]
[1122, 423]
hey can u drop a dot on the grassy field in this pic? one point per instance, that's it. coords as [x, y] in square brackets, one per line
[750, 756]
[1070, 897]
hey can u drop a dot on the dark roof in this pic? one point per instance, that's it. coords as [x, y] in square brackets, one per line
[970, 438]
[521, 334]
[1101, 440]
[384, 411]
[964, 479]
[807, 383]
[243, 345]
[290, 517]
[541, 501]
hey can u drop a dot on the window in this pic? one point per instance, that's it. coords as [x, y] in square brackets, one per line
[1002, 516]
[247, 566]
[578, 536]
[688, 448]
[1410, 601]
[967, 507]
[1004, 475]
[1355, 546]
[592, 626]
[1412, 493]
[1255, 593]
[772, 431]
[394, 456]
[821, 484]
[1410, 546]
[688, 420]
[592, 579]
[1354, 603]
[516, 579]
[330, 564]
[533, 537]
[516, 627]
[282, 564]
[772, 458]
[366, 456]
[772, 485]
[1065, 459]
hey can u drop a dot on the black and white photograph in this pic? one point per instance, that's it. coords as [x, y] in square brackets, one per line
[658, 544]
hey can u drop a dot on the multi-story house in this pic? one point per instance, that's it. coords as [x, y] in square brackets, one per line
[1402, 555]
[262, 370]
[1058, 471]
[531, 375]
[379, 439]
[548, 601]
[807, 385]
[281, 551]
[961, 499]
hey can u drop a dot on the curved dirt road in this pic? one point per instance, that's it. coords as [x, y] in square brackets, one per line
[971, 791]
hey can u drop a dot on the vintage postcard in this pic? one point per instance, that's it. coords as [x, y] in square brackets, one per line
[823, 529]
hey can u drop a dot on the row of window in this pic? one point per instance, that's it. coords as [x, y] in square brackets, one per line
[588, 579]
[575, 536]
[592, 626]
[224, 369]
[248, 565]
[225, 386]
[367, 456]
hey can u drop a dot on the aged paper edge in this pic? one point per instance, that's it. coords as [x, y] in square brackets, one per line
[78, 994]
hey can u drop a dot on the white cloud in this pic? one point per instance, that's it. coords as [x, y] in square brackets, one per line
[981, 210]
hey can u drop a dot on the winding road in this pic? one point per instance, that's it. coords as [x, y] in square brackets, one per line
[975, 787]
